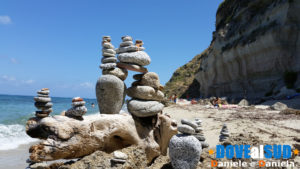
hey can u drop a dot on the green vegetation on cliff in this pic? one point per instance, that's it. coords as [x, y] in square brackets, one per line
[183, 82]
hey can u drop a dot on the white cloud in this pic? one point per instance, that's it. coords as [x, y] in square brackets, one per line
[5, 20]
[8, 78]
[11, 80]
[27, 81]
[87, 85]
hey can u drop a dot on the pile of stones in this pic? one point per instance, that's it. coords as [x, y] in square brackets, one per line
[110, 87]
[78, 109]
[43, 103]
[119, 158]
[224, 134]
[132, 57]
[185, 149]
[199, 133]
[146, 96]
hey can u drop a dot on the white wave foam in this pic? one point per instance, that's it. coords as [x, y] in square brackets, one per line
[12, 136]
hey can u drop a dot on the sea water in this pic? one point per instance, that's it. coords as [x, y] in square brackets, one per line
[16, 110]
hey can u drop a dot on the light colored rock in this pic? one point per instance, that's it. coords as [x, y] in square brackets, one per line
[119, 72]
[42, 99]
[107, 66]
[126, 43]
[140, 58]
[67, 138]
[185, 129]
[127, 49]
[279, 106]
[141, 108]
[108, 45]
[126, 38]
[110, 92]
[145, 93]
[190, 123]
[105, 54]
[184, 152]
[40, 105]
[43, 92]
[76, 111]
[150, 79]
[120, 155]
[132, 67]
[243, 102]
[109, 60]
[111, 51]
[80, 103]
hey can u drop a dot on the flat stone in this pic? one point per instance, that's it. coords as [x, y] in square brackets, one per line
[77, 99]
[107, 66]
[76, 111]
[42, 95]
[76, 104]
[44, 92]
[127, 49]
[108, 45]
[145, 93]
[42, 99]
[105, 54]
[41, 105]
[150, 79]
[132, 67]
[110, 92]
[121, 161]
[204, 144]
[225, 133]
[109, 60]
[119, 72]
[184, 151]
[111, 51]
[126, 43]
[138, 76]
[141, 108]
[140, 58]
[200, 137]
[42, 114]
[126, 38]
[190, 123]
[185, 129]
[120, 155]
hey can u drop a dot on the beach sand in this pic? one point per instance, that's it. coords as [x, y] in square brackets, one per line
[262, 125]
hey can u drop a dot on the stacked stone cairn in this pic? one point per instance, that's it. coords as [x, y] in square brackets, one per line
[110, 87]
[199, 133]
[224, 134]
[185, 149]
[132, 57]
[43, 103]
[78, 109]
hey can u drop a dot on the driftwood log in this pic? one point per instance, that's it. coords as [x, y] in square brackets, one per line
[68, 138]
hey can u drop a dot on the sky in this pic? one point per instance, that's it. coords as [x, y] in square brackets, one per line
[57, 44]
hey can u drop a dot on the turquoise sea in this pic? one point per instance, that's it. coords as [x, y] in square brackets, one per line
[15, 111]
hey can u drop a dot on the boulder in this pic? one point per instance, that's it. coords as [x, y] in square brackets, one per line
[119, 72]
[110, 92]
[141, 108]
[145, 93]
[140, 58]
[279, 106]
[184, 151]
[243, 102]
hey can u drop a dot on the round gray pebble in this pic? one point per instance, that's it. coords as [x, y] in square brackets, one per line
[190, 123]
[185, 129]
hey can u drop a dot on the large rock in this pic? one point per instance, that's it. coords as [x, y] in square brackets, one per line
[145, 93]
[279, 106]
[184, 151]
[140, 58]
[243, 102]
[119, 72]
[110, 92]
[141, 108]
[150, 79]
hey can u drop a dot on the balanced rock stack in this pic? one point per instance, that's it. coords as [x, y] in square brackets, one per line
[224, 134]
[199, 133]
[43, 103]
[110, 88]
[132, 57]
[146, 96]
[78, 109]
[185, 149]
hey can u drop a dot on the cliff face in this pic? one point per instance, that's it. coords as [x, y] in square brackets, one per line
[255, 43]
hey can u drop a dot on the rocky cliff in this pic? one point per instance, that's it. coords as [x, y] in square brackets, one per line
[254, 50]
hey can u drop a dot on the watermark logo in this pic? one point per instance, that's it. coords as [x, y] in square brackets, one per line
[263, 155]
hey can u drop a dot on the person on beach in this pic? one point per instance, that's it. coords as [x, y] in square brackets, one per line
[175, 98]
[93, 105]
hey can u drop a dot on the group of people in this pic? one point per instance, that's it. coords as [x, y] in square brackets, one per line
[173, 98]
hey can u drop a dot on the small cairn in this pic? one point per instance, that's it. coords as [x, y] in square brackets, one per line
[132, 57]
[78, 109]
[119, 158]
[224, 134]
[185, 149]
[110, 88]
[199, 133]
[43, 103]
[108, 52]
